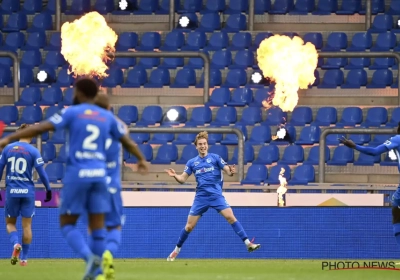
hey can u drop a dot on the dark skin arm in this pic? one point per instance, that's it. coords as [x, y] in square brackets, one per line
[29, 132]
[132, 148]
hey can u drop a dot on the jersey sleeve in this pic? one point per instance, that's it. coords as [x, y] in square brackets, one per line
[188, 168]
[61, 119]
[38, 158]
[220, 162]
[118, 128]
[392, 143]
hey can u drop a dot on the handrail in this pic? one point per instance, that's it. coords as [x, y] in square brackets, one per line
[14, 57]
[251, 15]
[205, 57]
[327, 131]
[171, 17]
[58, 15]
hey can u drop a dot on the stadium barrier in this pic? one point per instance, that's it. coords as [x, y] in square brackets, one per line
[327, 131]
[205, 57]
[14, 57]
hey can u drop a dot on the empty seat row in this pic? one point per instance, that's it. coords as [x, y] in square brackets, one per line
[19, 21]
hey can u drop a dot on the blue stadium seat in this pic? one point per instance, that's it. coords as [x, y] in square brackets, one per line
[214, 138]
[326, 7]
[196, 62]
[9, 7]
[55, 172]
[68, 96]
[147, 152]
[217, 41]
[360, 139]
[29, 96]
[172, 62]
[30, 115]
[31, 7]
[303, 7]
[313, 156]
[377, 6]
[163, 9]
[126, 40]
[259, 96]
[360, 42]
[51, 110]
[5, 76]
[235, 78]
[395, 118]
[309, 135]
[146, 7]
[13, 41]
[349, 7]
[262, 6]
[41, 22]
[51, 6]
[237, 7]
[342, 156]
[281, 7]
[140, 138]
[220, 150]
[376, 116]
[336, 41]
[225, 116]
[79, 7]
[151, 115]
[128, 114]
[54, 43]
[332, 79]
[248, 154]
[213, 7]
[8, 114]
[35, 41]
[381, 78]
[184, 78]
[314, 38]
[210, 22]
[355, 78]
[158, 78]
[125, 155]
[48, 152]
[195, 41]
[351, 116]
[162, 138]
[243, 59]
[292, 155]
[382, 23]
[259, 38]
[51, 96]
[215, 79]
[104, 7]
[232, 139]
[358, 63]
[16, 22]
[251, 116]
[64, 79]
[185, 138]
[54, 59]
[241, 97]
[166, 154]
[303, 175]
[273, 178]
[236, 23]
[334, 63]
[260, 135]
[200, 116]
[384, 42]
[173, 41]
[275, 116]
[301, 116]
[240, 41]
[221, 59]
[25, 77]
[290, 130]
[394, 8]
[382, 63]
[191, 6]
[256, 175]
[149, 41]
[333, 139]
[188, 152]
[267, 155]
[62, 155]
[149, 62]
[58, 137]
[136, 78]
[115, 78]
[124, 62]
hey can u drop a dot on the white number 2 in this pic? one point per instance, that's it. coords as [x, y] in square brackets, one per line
[94, 134]
[16, 165]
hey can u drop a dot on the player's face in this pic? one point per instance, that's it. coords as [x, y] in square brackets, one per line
[202, 146]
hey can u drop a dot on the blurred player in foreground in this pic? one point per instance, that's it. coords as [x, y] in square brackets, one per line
[85, 189]
[207, 169]
[20, 158]
[392, 144]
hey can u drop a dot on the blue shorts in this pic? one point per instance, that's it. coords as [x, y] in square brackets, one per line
[80, 198]
[115, 217]
[19, 206]
[201, 205]
[396, 198]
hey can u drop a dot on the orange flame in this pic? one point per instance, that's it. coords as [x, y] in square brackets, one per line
[85, 44]
[290, 64]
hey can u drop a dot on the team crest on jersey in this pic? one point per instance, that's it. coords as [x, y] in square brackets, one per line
[196, 163]
[90, 112]
[208, 160]
[15, 147]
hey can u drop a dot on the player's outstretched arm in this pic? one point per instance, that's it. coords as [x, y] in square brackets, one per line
[179, 178]
[373, 151]
[132, 147]
[230, 170]
[45, 180]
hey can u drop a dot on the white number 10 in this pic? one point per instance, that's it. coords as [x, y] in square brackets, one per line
[16, 165]
[94, 134]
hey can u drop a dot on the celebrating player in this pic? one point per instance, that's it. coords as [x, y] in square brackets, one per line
[85, 190]
[20, 158]
[207, 169]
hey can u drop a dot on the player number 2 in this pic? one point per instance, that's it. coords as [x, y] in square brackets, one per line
[88, 143]
[18, 165]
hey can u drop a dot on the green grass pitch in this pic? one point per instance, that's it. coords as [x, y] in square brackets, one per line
[183, 269]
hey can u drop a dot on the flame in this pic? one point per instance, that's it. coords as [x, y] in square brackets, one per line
[290, 64]
[85, 44]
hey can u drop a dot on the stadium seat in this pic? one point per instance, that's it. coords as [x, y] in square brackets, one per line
[236, 23]
[262, 6]
[210, 22]
[162, 138]
[382, 63]
[158, 78]
[381, 78]
[185, 138]
[163, 9]
[395, 118]
[260, 135]
[128, 114]
[54, 59]
[349, 7]
[250, 116]
[303, 7]
[200, 116]
[220, 150]
[314, 38]
[267, 155]
[394, 8]
[8, 114]
[58, 137]
[382, 23]
[248, 154]
[213, 7]
[188, 152]
[54, 43]
[149, 62]
[25, 77]
[184, 78]
[379, 139]
[126, 40]
[303, 175]
[333, 139]
[259, 96]
[151, 115]
[51, 110]
[124, 62]
[301, 116]
[9, 7]
[51, 6]
[140, 138]
[342, 156]
[5, 76]
[136, 77]
[48, 152]
[172, 62]
[326, 7]
[334, 63]
[358, 63]
[181, 118]
[146, 7]
[241, 97]
[51, 96]
[243, 59]
[332, 79]
[376, 116]
[29, 96]
[281, 7]
[41, 22]
[214, 138]
[351, 116]
[191, 6]
[215, 79]
[173, 41]
[55, 172]
[64, 79]
[147, 152]
[35, 41]
[149, 41]
[356, 78]
[225, 116]
[360, 42]
[13, 41]
[360, 139]
[309, 135]
[256, 175]
[237, 7]
[384, 42]
[68, 96]
[31, 7]
[273, 177]
[232, 139]
[217, 41]
[62, 155]
[235, 78]
[259, 38]
[115, 78]
[313, 155]
[336, 41]
[79, 7]
[16, 22]
[30, 115]
[240, 41]
[221, 59]
[195, 41]
[104, 7]
[377, 6]
[166, 154]
[275, 116]
[292, 155]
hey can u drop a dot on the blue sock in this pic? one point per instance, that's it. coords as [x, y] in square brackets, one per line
[182, 238]
[237, 227]
[113, 241]
[25, 250]
[98, 241]
[76, 241]
[14, 237]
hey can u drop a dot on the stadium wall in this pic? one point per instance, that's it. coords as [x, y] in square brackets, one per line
[289, 233]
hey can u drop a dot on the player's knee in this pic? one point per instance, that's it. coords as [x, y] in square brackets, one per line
[189, 227]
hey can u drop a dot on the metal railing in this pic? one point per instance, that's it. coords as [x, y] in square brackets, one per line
[14, 57]
[327, 131]
[58, 15]
[206, 89]
[229, 130]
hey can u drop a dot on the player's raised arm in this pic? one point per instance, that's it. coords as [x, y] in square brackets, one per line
[39, 166]
[373, 151]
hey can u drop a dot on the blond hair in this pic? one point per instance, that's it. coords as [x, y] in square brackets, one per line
[201, 135]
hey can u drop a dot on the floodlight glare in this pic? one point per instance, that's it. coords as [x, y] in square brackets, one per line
[172, 115]
[184, 21]
[42, 76]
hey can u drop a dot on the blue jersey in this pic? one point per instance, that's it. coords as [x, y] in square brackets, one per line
[208, 172]
[394, 144]
[114, 159]
[20, 159]
[87, 129]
